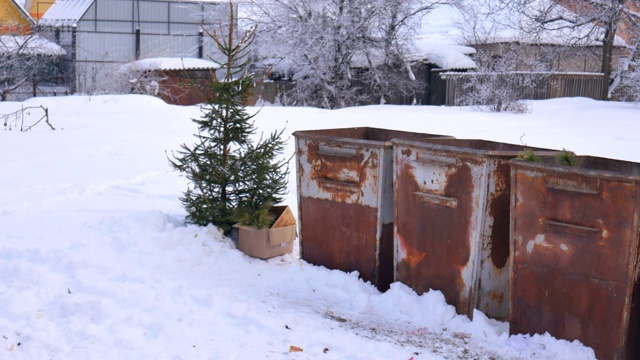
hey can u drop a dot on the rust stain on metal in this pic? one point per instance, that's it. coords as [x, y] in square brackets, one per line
[345, 197]
[434, 238]
[340, 236]
[453, 205]
[341, 174]
[496, 296]
[575, 258]
[406, 152]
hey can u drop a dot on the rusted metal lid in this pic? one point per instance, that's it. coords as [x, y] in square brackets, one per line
[368, 136]
[474, 147]
[591, 166]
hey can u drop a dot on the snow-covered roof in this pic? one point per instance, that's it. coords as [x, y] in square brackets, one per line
[447, 56]
[446, 34]
[180, 63]
[29, 45]
[65, 12]
[439, 41]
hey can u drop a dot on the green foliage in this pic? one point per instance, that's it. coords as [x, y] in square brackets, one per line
[529, 155]
[231, 178]
[260, 217]
[566, 158]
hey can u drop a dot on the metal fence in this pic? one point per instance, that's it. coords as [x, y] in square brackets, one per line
[540, 85]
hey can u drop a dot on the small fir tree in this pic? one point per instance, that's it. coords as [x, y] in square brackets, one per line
[232, 179]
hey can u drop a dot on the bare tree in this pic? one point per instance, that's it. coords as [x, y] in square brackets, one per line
[339, 52]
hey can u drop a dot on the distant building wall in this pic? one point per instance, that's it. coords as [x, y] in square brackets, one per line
[524, 57]
[112, 33]
[12, 20]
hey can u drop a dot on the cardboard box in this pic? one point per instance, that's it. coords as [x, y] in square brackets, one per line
[268, 243]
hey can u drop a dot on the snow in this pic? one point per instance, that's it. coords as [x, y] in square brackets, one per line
[179, 63]
[439, 41]
[29, 45]
[97, 263]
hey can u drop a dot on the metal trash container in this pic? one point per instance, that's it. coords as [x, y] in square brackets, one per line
[345, 199]
[575, 263]
[452, 220]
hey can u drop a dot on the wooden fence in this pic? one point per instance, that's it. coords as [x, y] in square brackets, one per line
[456, 86]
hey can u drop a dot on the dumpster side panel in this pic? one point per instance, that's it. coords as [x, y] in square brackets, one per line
[340, 236]
[574, 243]
[339, 191]
[436, 213]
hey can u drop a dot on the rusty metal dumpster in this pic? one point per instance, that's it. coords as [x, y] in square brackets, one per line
[574, 238]
[452, 220]
[345, 199]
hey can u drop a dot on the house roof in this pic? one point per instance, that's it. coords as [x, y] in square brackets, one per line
[65, 13]
[446, 37]
[19, 6]
[439, 42]
[69, 12]
[29, 45]
[178, 63]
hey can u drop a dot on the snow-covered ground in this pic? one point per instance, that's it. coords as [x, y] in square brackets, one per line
[97, 263]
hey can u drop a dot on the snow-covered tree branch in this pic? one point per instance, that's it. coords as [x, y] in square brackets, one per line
[25, 60]
[339, 52]
[583, 23]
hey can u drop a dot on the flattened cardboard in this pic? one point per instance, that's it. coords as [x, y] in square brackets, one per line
[284, 216]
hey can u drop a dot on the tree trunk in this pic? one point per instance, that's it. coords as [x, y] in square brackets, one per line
[607, 56]
[611, 27]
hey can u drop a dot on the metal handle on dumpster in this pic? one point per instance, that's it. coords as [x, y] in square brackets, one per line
[335, 180]
[572, 187]
[437, 199]
[571, 228]
[347, 186]
[436, 161]
[337, 151]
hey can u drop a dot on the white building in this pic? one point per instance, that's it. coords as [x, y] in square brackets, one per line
[100, 36]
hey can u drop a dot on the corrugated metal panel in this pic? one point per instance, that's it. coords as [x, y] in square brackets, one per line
[65, 12]
[115, 27]
[154, 11]
[121, 10]
[69, 12]
[185, 12]
[159, 28]
[162, 46]
[184, 29]
[105, 47]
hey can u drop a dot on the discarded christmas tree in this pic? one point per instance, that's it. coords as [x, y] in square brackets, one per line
[231, 178]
